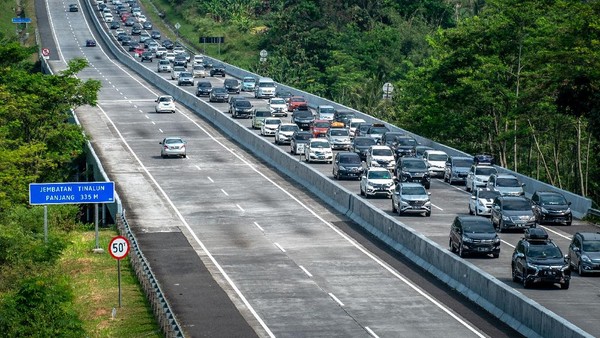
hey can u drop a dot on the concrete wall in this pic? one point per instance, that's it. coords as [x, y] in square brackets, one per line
[520, 312]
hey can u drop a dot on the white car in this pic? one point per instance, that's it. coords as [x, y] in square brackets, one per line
[354, 124]
[198, 59]
[108, 17]
[284, 132]
[164, 66]
[381, 156]
[278, 106]
[478, 176]
[141, 18]
[318, 150]
[436, 162]
[160, 52]
[325, 112]
[270, 125]
[153, 46]
[481, 200]
[119, 31]
[175, 72]
[165, 103]
[377, 181]
[178, 49]
[199, 71]
[339, 138]
[170, 56]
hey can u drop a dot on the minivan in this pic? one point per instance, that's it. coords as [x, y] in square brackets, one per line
[265, 88]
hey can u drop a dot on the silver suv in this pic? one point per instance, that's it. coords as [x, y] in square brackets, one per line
[411, 198]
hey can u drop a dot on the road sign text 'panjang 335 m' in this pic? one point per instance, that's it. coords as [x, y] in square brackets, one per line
[71, 193]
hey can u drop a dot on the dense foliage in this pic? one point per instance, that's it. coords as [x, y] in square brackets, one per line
[37, 144]
[518, 79]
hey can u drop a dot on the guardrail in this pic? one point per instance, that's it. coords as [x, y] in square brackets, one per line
[521, 313]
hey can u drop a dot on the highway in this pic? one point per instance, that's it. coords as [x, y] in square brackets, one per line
[280, 252]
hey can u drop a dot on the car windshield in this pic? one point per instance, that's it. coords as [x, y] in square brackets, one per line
[219, 91]
[382, 152]
[198, 68]
[185, 74]
[488, 194]
[165, 99]
[272, 121]
[303, 137]
[173, 141]
[380, 175]
[289, 127]
[476, 226]
[355, 124]
[552, 200]
[507, 182]
[420, 190]
[266, 84]
[364, 127]
[516, 204]
[544, 252]
[463, 163]
[231, 82]
[345, 115]
[298, 99]
[414, 165]
[438, 157]
[350, 159]
[326, 110]
[204, 84]
[378, 130]
[243, 104]
[485, 171]
[404, 141]
[303, 114]
[367, 141]
[277, 101]
[321, 125]
[339, 132]
[262, 113]
[319, 144]
[249, 80]
[591, 246]
[178, 68]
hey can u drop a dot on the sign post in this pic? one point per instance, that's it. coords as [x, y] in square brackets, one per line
[119, 248]
[46, 53]
[388, 88]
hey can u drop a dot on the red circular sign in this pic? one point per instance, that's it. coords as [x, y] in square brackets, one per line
[45, 51]
[118, 247]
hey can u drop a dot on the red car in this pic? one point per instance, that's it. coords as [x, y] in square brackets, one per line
[295, 102]
[319, 127]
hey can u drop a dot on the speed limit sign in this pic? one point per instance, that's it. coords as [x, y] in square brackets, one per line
[118, 247]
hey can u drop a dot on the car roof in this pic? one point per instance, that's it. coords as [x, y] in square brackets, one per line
[548, 192]
[411, 184]
[469, 218]
[378, 169]
[513, 198]
[325, 106]
[590, 236]
[347, 154]
[433, 151]
[505, 176]
[377, 146]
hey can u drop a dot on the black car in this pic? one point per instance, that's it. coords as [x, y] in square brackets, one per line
[130, 22]
[168, 44]
[537, 259]
[404, 146]
[361, 145]
[146, 56]
[362, 128]
[388, 138]
[473, 235]
[584, 252]
[90, 43]
[347, 164]
[233, 86]
[343, 116]
[73, 8]
[376, 131]
[147, 25]
[115, 25]
[420, 150]
[204, 88]
[512, 212]
[126, 41]
[134, 45]
[217, 69]
[412, 169]
[484, 159]
[551, 207]
[284, 94]
[218, 95]
[136, 29]
[241, 109]
[120, 36]
[303, 118]
[156, 36]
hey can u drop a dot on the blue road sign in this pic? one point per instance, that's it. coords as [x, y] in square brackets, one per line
[21, 20]
[71, 193]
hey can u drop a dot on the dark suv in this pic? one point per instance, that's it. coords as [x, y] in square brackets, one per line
[474, 234]
[412, 169]
[512, 212]
[233, 86]
[241, 109]
[537, 259]
[347, 164]
[551, 207]
[404, 146]
[303, 118]
[584, 252]
[204, 88]
[217, 69]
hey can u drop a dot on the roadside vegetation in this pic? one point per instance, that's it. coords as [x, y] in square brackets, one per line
[57, 288]
[518, 79]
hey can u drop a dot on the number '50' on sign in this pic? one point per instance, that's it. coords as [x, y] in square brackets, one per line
[118, 247]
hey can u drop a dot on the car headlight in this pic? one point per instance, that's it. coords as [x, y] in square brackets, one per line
[586, 259]
[369, 185]
[497, 240]
[505, 218]
[428, 203]
[478, 179]
[374, 164]
[544, 210]
[389, 184]
[530, 266]
[467, 239]
[531, 218]
[342, 168]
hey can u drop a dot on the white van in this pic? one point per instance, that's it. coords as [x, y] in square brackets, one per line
[436, 162]
[265, 87]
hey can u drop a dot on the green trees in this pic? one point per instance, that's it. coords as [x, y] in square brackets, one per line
[521, 81]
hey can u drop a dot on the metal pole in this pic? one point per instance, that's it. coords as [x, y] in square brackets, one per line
[119, 279]
[45, 223]
[103, 215]
[96, 225]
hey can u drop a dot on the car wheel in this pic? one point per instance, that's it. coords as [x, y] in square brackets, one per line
[450, 246]
[526, 284]
[496, 254]
[163, 155]
[394, 209]
[565, 285]
[580, 270]
[427, 213]
[184, 155]
[569, 223]
[470, 210]
[461, 251]
[428, 185]
[361, 192]
[467, 188]
[501, 226]
[515, 278]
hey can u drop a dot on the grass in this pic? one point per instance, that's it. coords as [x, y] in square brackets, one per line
[94, 281]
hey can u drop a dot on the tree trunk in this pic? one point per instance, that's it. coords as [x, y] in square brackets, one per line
[579, 166]
[540, 153]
